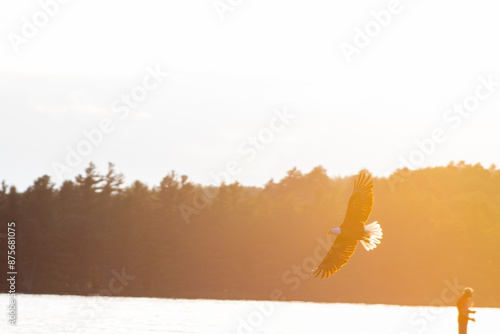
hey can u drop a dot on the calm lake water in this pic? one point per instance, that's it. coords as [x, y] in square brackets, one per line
[73, 314]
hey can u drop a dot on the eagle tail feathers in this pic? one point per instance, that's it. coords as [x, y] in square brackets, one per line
[374, 235]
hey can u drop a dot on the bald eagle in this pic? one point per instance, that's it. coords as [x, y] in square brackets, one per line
[353, 228]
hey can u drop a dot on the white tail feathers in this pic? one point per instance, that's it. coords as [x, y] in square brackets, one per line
[375, 234]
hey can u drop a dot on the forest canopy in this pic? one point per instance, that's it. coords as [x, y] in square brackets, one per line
[184, 240]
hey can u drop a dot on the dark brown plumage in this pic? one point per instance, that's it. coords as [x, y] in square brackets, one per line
[352, 229]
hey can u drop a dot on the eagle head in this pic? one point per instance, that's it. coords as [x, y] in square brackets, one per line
[335, 231]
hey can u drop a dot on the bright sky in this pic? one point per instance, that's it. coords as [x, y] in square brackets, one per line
[347, 100]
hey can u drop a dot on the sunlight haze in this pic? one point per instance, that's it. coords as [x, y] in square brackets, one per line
[227, 77]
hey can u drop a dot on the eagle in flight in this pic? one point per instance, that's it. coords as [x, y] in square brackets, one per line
[353, 228]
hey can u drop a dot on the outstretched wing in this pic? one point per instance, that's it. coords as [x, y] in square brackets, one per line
[337, 256]
[360, 204]
[358, 211]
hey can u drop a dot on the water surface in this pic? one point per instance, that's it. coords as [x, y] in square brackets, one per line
[75, 314]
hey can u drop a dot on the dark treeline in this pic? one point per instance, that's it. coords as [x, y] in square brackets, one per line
[181, 240]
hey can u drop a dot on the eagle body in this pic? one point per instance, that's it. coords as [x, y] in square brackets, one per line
[353, 229]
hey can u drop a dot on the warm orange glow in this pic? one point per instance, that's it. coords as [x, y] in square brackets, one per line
[441, 231]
